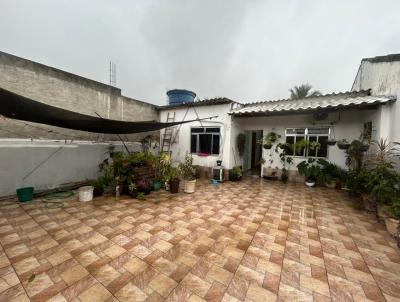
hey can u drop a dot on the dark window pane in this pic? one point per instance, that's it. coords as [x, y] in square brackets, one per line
[197, 130]
[318, 131]
[300, 145]
[290, 140]
[213, 130]
[312, 152]
[205, 143]
[193, 143]
[215, 147]
[323, 149]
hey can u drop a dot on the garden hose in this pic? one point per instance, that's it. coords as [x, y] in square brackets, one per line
[54, 199]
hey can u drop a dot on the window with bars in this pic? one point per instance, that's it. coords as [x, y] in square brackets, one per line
[205, 140]
[311, 136]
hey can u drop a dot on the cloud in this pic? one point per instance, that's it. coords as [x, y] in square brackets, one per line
[245, 50]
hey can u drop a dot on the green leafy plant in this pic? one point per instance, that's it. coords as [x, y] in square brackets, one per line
[236, 173]
[355, 154]
[268, 140]
[186, 168]
[141, 196]
[283, 149]
[310, 169]
[330, 172]
[394, 209]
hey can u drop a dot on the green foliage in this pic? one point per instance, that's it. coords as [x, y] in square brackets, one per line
[269, 139]
[303, 91]
[141, 196]
[394, 209]
[330, 172]
[117, 170]
[310, 169]
[241, 141]
[355, 154]
[237, 171]
[186, 168]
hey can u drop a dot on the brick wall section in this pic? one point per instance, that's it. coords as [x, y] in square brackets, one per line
[68, 91]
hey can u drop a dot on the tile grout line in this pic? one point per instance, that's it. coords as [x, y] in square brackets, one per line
[284, 250]
[352, 238]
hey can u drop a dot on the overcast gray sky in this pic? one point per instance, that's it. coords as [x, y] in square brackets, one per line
[244, 50]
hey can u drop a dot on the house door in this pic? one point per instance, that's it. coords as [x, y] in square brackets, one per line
[253, 152]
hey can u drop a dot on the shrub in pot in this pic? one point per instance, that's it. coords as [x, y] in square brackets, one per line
[343, 144]
[268, 140]
[310, 170]
[236, 173]
[133, 192]
[144, 186]
[188, 174]
[330, 174]
[283, 149]
[98, 186]
[173, 180]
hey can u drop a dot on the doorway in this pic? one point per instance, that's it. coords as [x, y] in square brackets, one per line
[253, 152]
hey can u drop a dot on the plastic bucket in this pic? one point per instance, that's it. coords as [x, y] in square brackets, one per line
[85, 193]
[25, 194]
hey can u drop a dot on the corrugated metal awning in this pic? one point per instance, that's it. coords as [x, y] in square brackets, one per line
[323, 102]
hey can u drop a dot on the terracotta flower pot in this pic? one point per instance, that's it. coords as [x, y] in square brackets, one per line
[392, 226]
[190, 186]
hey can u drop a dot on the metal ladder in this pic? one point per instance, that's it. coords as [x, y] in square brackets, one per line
[167, 136]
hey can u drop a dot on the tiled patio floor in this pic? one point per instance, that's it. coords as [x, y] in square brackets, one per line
[246, 241]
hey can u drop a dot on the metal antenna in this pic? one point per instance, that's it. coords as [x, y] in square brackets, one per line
[113, 74]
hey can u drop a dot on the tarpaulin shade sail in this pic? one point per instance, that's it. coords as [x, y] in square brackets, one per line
[18, 107]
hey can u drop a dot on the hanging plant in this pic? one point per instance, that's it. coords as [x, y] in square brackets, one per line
[268, 140]
[241, 141]
[331, 142]
[343, 144]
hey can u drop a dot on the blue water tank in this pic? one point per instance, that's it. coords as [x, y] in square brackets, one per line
[180, 96]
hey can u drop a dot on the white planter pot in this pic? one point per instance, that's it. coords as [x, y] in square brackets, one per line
[190, 186]
[310, 183]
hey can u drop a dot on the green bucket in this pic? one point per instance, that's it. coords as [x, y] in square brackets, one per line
[25, 194]
[157, 185]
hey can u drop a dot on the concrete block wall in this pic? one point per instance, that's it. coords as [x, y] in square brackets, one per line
[68, 91]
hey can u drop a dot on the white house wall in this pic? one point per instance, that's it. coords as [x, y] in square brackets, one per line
[182, 145]
[383, 78]
[348, 125]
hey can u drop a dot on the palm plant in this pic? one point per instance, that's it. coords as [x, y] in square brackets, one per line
[303, 91]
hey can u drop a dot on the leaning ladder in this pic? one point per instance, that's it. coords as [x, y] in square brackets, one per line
[167, 137]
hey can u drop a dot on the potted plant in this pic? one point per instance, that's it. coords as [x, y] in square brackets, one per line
[331, 142]
[330, 174]
[236, 173]
[98, 186]
[343, 144]
[283, 149]
[310, 170]
[173, 180]
[188, 174]
[268, 140]
[133, 192]
[144, 186]
[393, 221]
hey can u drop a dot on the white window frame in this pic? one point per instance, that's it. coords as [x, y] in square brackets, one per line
[212, 139]
[306, 136]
